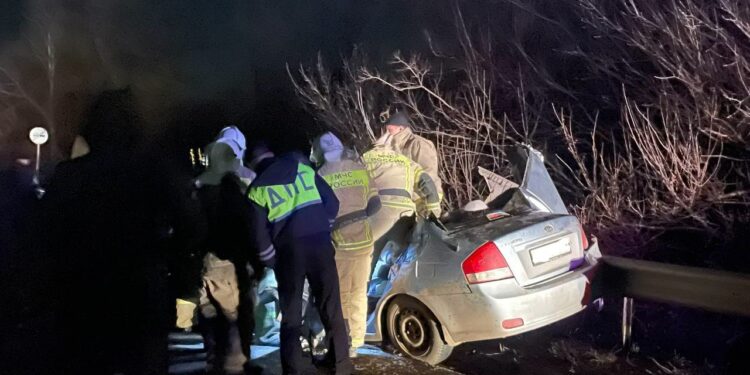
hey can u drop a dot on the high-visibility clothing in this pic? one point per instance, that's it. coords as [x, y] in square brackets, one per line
[358, 200]
[289, 201]
[354, 273]
[422, 152]
[281, 200]
[401, 182]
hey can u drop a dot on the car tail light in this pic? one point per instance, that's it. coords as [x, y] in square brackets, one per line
[584, 238]
[485, 264]
[512, 323]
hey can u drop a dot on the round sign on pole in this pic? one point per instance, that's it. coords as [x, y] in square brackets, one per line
[39, 135]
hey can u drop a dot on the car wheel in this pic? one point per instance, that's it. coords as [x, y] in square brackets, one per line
[414, 331]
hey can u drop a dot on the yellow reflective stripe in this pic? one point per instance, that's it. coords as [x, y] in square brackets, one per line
[398, 205]
[282, 200]
[340, 244]
[374, 157]
[377, 156]
[353, 248]
[367, 241]
[184, 302]
[346, 179]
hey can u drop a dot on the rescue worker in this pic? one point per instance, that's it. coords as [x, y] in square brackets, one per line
[402, 139]
[225, 319]
[233, 137]
[352, 235]
[294, 209]
[403, 185]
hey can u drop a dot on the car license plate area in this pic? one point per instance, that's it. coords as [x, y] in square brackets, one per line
[550, 251]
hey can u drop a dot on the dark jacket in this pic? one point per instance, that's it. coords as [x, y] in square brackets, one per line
[305, 221]
[227, 214]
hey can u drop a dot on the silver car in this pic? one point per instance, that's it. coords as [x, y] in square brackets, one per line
[521, 263]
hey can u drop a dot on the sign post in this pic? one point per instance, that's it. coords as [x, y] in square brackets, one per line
[38, 136]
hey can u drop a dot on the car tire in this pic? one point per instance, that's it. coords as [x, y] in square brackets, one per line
[414, 331]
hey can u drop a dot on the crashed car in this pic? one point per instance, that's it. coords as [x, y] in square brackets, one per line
[520, 263]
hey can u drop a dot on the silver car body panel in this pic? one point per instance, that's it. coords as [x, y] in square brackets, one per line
[542, 247]
[537, 183]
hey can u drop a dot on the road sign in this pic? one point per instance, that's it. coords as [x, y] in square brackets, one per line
[39, 136]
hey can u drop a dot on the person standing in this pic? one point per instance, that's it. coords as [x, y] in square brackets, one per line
[224, 250]
[352, 235]
[403, 188]
[101, 227]
[293, 210]
[402, 139]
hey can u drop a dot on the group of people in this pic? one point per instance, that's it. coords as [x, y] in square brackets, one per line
[315, 222]
[125, 241]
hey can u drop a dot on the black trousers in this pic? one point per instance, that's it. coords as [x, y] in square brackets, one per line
[311, 257]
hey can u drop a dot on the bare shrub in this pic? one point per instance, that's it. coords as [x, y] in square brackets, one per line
[699, 52]
[345, 104]
[659, 174]
[30, 83]
[455, 108]
[676, 160]
[673, 155]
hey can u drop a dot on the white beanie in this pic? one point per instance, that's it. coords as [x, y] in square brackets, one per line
[233, 137]
[331, 147]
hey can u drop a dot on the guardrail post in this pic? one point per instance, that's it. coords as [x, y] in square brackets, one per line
[627, 323]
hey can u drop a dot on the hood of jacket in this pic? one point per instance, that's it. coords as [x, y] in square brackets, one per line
[399, 140]
[276, 171]
[221, 161]
[233, 137]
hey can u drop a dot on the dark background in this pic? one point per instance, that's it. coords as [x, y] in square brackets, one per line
[200, 65]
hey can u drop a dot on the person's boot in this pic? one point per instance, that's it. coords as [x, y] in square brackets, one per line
[353, 352]
[253, 369]
[235, 358]
[208, 328]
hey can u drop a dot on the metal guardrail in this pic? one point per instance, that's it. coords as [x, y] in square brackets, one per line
[703, 288]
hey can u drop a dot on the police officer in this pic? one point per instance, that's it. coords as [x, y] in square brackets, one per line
[293, 210]
[352, 235]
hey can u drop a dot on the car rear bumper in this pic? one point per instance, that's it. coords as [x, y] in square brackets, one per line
[480, 315]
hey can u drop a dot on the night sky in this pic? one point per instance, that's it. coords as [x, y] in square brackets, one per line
[225, 61]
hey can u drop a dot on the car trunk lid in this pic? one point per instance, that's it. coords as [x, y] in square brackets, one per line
[543, 250]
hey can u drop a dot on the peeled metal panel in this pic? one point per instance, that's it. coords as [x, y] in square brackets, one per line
[528, 166]
[497, 184]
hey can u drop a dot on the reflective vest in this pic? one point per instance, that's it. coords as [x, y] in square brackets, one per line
[282, 200]
[395, 176]
[422, 151]
[350, 182]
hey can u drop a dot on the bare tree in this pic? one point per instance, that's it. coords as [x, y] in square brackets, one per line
[460, 118]
[700, 52]
[347, 105]
[22, 85]
[675, 159]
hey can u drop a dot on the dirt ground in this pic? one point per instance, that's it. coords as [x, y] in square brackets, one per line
[587, 343]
